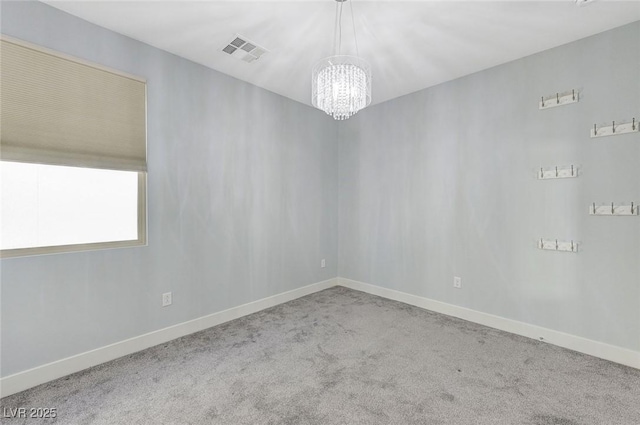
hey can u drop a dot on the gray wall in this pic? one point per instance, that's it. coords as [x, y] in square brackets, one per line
[242, 202]
[442, 182]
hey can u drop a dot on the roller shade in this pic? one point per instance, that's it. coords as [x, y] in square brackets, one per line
[60, 110]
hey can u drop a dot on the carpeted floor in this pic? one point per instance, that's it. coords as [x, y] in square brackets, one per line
[345, 357]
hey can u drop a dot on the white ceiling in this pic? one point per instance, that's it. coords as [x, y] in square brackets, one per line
[411, 45]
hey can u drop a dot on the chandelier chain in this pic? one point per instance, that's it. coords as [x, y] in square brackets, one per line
[335, 33]
[340, 29]
[353, 24]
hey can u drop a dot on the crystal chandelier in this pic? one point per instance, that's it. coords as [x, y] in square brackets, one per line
[341, 84]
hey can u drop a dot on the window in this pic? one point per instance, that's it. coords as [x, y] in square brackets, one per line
[73, 154]
[53, 206]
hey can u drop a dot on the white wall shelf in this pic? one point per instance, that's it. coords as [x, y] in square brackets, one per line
[565, 172]
[613, 209]
[615, 129]
[556, 245]
[559, 99]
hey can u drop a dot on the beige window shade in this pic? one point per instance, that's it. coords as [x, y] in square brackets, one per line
[61, 111]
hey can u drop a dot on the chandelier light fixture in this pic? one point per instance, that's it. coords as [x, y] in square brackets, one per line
[341, 84]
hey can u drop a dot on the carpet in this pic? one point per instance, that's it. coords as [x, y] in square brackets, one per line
[344, 357]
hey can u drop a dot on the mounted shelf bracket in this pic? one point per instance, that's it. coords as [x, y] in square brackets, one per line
[613, 209]
[615, 129]
[558, 172]
[556, 245]
[559, 99]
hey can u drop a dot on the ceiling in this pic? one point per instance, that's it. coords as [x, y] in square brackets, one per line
[411, 45]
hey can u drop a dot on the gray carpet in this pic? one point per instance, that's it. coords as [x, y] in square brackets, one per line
[345, 357]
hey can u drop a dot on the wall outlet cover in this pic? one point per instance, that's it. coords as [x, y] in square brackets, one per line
[457, 282]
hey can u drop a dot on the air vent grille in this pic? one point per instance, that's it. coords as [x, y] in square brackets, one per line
[244, 50]
[229, 49]
[248, 47]
[237, 42]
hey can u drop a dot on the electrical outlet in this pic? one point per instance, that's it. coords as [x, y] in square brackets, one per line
[166, 299]
[457, 282]
[323, 263]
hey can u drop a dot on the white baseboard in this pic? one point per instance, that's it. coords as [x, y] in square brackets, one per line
[39, 375]
[583, 345]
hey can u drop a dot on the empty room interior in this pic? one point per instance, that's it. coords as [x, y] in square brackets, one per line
[320, 212]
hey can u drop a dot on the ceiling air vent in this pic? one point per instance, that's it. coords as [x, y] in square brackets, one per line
[244, 50]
